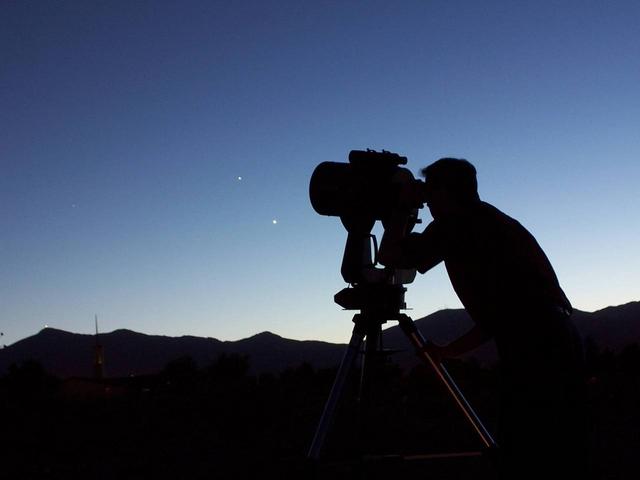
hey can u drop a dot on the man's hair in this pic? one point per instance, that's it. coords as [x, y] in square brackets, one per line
[457, 175]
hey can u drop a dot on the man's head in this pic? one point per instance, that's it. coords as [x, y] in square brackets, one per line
[450, 186]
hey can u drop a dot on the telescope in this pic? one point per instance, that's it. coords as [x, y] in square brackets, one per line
[366, 189]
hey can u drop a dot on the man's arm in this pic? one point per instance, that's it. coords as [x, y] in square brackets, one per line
[402, 249]
[464, 344]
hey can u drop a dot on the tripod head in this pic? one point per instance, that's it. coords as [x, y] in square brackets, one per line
[379, 301]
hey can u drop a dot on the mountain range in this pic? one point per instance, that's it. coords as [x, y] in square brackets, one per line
[67, 354]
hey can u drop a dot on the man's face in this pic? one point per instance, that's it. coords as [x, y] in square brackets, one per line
[438, 200]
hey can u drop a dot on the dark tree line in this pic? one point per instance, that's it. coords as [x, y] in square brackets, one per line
[195, 421]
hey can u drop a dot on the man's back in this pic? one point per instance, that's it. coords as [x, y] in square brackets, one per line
[495, 265]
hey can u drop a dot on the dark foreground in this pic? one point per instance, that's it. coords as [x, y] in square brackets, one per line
[220, 422]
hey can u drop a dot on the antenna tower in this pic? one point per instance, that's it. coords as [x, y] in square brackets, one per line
[98, 365]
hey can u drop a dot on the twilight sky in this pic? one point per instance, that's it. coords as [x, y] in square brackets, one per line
[125, 127]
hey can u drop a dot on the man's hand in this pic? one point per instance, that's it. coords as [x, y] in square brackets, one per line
[412, 195]
[464, 344]
[436, 352]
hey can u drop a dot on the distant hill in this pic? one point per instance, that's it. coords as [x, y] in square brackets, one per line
[127, 352]
[68, 354]
[612, 327]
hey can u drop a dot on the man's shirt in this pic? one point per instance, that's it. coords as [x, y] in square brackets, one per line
[495, 265]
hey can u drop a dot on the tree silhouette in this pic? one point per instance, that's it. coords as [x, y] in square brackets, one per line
[181, 373]
[228, 368]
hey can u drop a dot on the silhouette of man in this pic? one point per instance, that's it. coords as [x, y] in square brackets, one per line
[509, 288]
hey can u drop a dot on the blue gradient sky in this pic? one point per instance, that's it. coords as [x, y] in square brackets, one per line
[124, 127]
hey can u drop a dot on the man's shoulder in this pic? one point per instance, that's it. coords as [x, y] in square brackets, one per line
[501, 224]
[488, 211]
[483, 217]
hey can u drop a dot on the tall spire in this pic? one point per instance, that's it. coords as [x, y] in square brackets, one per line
[98, 366]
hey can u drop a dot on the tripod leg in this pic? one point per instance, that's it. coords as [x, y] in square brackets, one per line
[372, 362]
[353, 349]
[409, 328]
[370, 383]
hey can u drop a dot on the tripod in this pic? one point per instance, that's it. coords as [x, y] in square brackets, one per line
[377, 304]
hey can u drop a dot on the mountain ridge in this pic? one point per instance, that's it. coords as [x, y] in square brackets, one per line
[128, 352]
